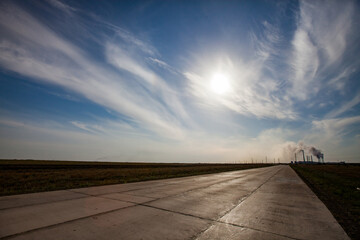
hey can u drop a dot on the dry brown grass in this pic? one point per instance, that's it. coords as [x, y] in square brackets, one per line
[337, 186]
[26, 176]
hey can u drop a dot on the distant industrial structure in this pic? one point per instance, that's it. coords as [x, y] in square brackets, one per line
[308, 159]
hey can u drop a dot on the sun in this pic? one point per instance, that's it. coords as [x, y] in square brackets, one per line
[220, 83]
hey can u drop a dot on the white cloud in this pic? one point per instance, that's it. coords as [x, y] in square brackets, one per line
[319, 45]
[345, 107]
[305, 64]
[336, 127]
[62, 6]
[267, 41]
[121, 59]
[84, 127]
[339, 81]
[131, 39]
[329, 24]
[41, 54]
[163, 65]
[128, 85]
[252, 93]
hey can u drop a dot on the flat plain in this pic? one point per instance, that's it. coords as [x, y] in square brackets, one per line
[27, 176]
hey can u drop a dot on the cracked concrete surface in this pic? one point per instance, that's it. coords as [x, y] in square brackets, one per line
[265, 203]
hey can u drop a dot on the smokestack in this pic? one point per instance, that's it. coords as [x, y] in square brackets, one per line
[293, 148]
[318, 154]
[303, 154]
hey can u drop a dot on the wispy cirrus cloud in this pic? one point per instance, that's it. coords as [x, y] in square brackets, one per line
[62, 6]
[335, 127]
[289, 79]
[305, 64]
[164, 65]
[256, 87]
[319, 45]
[345, 107]
[31, 49]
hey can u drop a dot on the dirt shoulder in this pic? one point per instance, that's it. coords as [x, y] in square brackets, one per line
[338, 187]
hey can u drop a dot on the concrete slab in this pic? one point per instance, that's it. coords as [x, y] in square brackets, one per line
[253, 180]
[18, 220]
[163, 191]
[286, 182]
[243, 180]
[297, 214]
[209, 203]
[266, 203]
[157, 188]
[132, 223]
[118, 188]
[225, 231]
[37, 198]
[198, 180]
[127, 198]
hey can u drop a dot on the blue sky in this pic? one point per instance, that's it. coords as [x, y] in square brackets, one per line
[179, 81]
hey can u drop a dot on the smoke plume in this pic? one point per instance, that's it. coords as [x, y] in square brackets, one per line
[290, 149]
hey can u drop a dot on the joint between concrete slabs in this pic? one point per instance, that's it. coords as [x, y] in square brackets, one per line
[258, 230]
[215, 221]
[242, 200]
[208, 219]
[143, 204]
[69, 221]
[35, 204]
[135, 189]
[174, 195]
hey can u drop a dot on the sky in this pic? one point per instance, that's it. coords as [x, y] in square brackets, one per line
[179, 81]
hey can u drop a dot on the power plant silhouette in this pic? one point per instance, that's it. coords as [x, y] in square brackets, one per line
[309, 158]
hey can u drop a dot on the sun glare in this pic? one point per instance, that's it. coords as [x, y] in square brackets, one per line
[220, 84]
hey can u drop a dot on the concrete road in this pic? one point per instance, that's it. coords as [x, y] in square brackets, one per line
[265, 203]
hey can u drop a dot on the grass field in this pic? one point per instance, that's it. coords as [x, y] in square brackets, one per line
[338, 187]
[26, 176]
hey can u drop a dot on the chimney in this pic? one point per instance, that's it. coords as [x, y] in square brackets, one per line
[303, 154]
